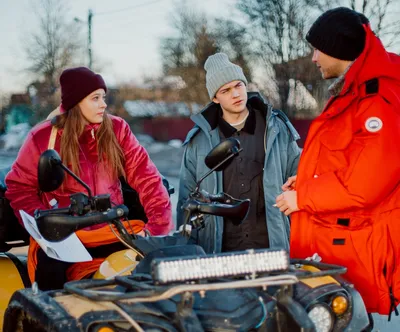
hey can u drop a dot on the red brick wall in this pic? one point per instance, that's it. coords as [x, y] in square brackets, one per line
[302, 126]
[165, 129]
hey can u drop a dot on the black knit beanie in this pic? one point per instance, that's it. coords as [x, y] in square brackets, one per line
[339, 32]
[77, 83]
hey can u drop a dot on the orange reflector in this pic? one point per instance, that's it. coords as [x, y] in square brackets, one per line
[105, 329]
[340, 305]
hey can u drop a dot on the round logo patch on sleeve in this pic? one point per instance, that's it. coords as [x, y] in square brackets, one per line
[373, 124]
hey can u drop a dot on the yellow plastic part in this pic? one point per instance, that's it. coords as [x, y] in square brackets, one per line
[339, 305]
[10, 281]
[124, 260]
[318, 281]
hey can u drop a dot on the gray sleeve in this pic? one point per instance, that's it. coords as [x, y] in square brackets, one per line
[294, 153]
[187, 179]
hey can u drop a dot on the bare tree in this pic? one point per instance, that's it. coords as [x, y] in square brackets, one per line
[185, 54]
[279, 28]
[233, 39]
[54, 45]
[4, 100]
[383, 15]
[196, 39]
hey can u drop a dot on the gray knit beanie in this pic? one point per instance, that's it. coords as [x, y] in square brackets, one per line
[220, 71]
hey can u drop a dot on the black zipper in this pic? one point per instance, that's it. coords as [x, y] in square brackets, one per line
[393, 304]
[393, 300]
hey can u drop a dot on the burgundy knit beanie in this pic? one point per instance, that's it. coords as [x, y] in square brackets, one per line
[77, 83]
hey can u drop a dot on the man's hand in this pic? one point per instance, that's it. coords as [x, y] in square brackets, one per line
[287, 202]
[290, 184]
[141, 233]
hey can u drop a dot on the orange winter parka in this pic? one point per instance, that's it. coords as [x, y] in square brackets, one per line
[348, 183]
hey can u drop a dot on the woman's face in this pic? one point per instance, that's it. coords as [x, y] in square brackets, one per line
[93, 106]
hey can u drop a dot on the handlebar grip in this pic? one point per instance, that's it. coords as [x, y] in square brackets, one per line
[221, 198]
[236, 211]
[41, 213]
[56, 227]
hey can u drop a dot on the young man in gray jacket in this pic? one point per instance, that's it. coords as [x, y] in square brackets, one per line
[270, 155]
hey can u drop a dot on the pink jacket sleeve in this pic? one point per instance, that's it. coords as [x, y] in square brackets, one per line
[143, 176]
[22, 183]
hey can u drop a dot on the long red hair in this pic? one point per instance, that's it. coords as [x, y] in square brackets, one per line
[109, 150]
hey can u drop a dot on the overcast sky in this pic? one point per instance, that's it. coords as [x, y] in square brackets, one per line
[125, 38]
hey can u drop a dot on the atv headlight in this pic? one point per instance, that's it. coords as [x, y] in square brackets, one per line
[322, 317]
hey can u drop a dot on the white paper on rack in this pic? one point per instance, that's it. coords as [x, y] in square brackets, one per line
[69, 250]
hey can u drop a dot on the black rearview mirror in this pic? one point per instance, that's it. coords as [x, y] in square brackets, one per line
[222, 151]
[220, 157]
[50, 173]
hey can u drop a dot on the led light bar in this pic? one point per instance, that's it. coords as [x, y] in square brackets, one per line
[190, 268]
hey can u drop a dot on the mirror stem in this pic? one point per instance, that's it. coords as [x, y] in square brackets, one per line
[59, 163]
[215, 167]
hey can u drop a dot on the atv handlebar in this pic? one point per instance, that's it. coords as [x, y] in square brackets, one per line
[219, 209]
[57, 224]
[221, 204]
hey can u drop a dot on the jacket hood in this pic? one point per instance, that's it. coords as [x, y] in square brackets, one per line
[207, 119]
[373, 62]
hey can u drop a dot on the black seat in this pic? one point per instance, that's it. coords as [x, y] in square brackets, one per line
[131, 199]
[12, 234]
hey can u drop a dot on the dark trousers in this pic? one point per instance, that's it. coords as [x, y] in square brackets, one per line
[52, 274]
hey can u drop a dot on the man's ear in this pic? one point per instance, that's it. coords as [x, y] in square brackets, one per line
[215, 100]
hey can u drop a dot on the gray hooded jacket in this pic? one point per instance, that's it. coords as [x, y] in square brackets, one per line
[281, 159]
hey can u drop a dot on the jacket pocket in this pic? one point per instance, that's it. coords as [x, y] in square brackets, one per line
[349, 220]
[334, 147]
[352, 249]
[335, 140]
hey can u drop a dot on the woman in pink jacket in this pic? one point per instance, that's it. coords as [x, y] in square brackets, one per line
[98, 147]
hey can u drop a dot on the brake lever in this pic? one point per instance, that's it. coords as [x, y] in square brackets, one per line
[197, 221]
[42, 213]
[219, 198]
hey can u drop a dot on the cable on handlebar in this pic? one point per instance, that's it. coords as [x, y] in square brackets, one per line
[126, 243]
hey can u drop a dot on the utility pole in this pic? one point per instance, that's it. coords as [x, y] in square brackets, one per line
[89, 45]
[90, 15]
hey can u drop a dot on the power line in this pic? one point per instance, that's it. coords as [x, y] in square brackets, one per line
[127, 8]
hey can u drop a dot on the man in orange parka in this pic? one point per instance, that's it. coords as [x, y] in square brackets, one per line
[345, 201]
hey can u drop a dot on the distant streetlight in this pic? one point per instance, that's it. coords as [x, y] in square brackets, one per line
[89, 23]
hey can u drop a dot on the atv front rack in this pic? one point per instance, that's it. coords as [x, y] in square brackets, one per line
[140, 287]
[134, 289]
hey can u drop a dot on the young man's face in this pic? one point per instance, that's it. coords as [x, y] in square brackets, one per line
[232, 97]
[330, 67]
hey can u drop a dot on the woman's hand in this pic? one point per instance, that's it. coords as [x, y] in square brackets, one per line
[290, 184]
[287, 202]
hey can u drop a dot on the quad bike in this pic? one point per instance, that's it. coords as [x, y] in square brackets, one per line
[13, 238]
[175, 286]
